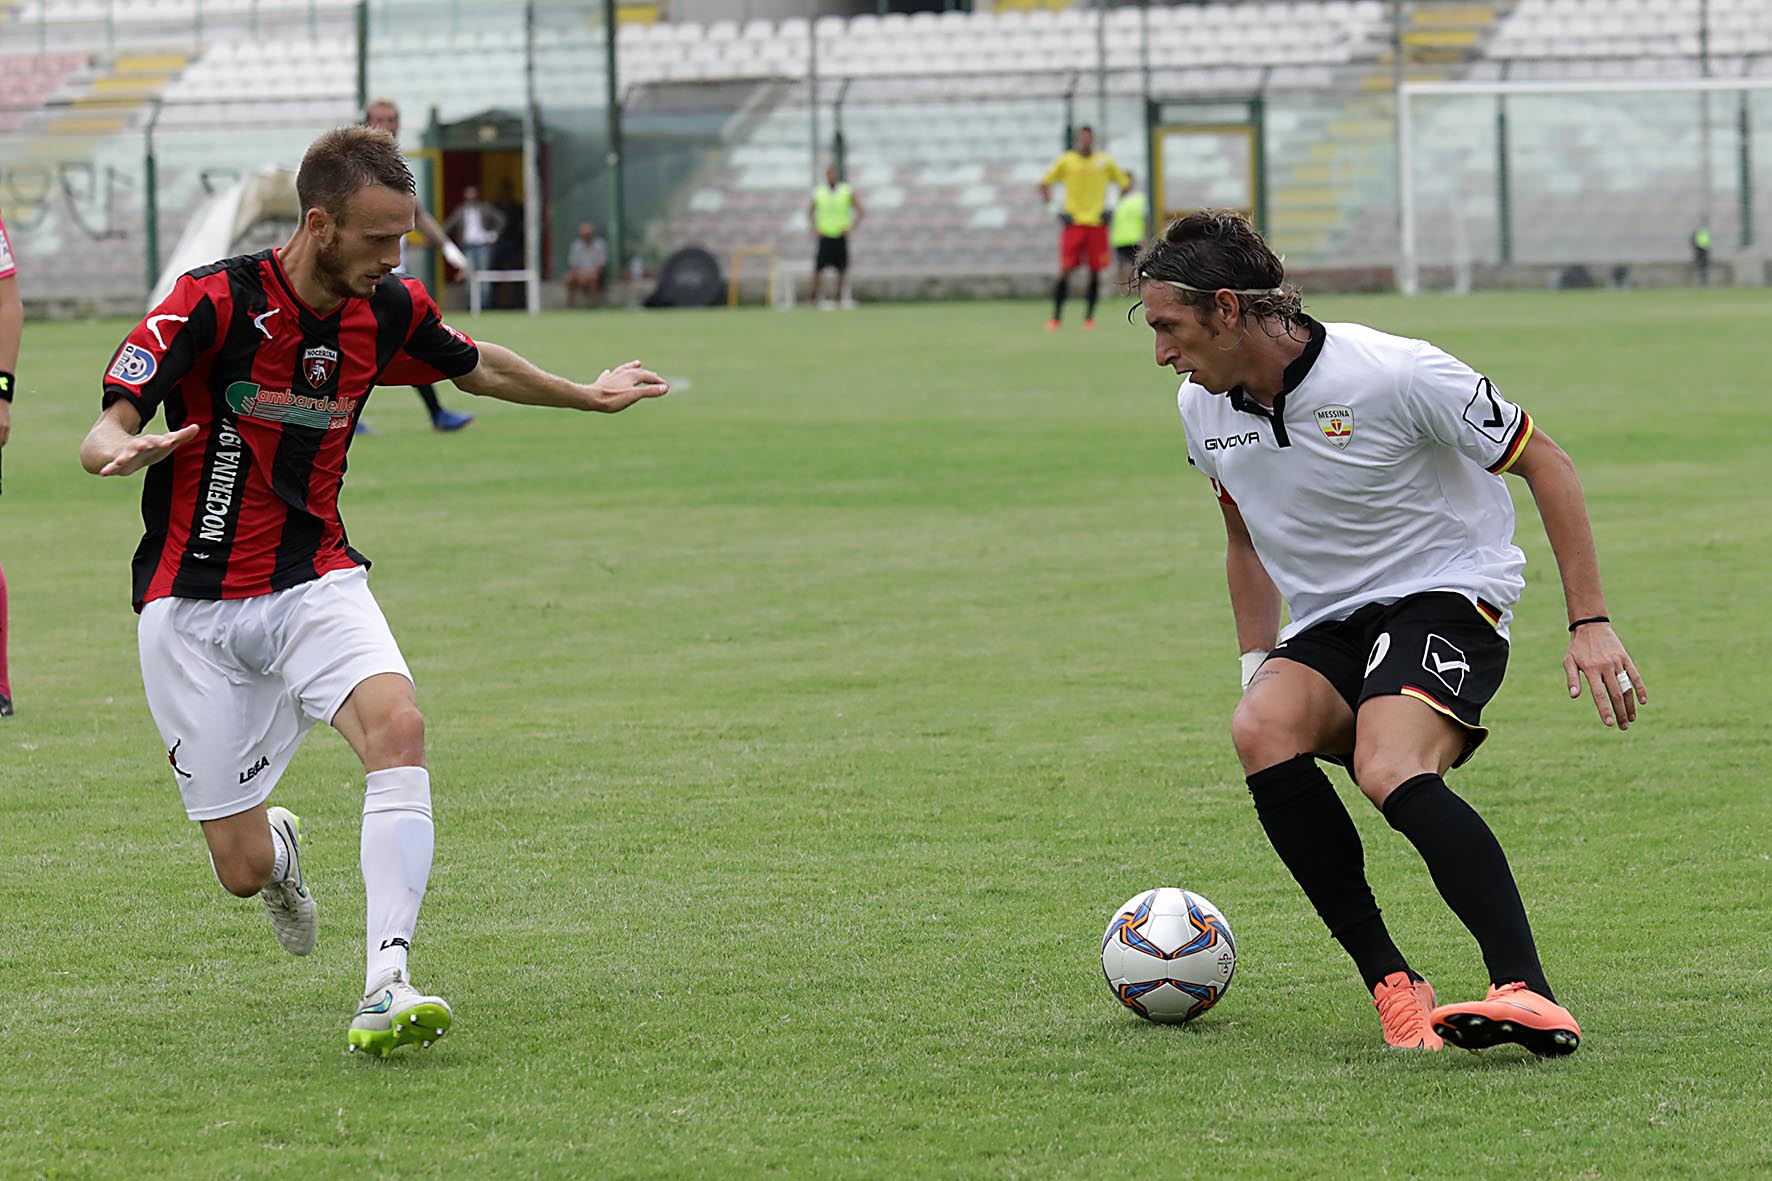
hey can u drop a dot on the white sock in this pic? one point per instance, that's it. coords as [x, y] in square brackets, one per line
[280, 851]
[398, 839]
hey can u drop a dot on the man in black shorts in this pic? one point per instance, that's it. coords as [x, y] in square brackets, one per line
[835, 211]
[1359, 478]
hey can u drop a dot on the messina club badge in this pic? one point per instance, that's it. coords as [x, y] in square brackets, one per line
[1337, 423]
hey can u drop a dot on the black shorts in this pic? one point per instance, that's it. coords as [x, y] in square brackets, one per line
[1127, 254]
[833, 253]
[1436, 647]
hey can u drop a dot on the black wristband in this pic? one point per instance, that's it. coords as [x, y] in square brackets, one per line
[6, 383]
[1589, 619]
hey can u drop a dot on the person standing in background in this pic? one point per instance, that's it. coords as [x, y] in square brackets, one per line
[1701, 253]
[835, 211]
[1128, 226]
[477, 223]
[507, 252]
[383, 114]
[1084, 173]
[12, 326]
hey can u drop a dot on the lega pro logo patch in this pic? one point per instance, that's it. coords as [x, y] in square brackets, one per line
[1337, 423]
[133, 365]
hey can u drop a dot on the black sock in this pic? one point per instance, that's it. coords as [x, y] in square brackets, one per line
[1315, 837]
[1472, 875]
[1058, 294]
[429, 394]
[1094, 290]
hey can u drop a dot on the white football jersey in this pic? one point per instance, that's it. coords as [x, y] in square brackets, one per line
[1376, 476]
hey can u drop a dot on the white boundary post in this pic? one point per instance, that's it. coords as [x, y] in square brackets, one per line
[1407, 276]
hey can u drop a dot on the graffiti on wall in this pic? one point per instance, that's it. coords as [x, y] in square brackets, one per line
[100, 201]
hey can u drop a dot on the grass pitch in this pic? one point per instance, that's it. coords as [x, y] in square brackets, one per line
[793, 738]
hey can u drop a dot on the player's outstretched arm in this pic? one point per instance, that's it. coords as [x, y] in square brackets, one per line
[113, 448]
[12, 327]
[1595, 651]
[506, 376]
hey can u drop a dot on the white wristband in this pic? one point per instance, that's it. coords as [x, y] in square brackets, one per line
[1251, 662]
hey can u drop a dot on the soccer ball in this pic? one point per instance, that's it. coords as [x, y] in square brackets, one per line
[1168, 955]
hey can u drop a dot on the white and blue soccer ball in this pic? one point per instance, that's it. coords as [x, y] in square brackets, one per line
[1168, 955]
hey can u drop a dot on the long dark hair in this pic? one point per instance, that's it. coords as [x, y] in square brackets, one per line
[1214, 249]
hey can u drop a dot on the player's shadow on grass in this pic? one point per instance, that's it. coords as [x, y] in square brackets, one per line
[1138, 1028]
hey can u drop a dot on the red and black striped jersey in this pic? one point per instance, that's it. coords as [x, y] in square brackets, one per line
[250, 504]
[8, 268]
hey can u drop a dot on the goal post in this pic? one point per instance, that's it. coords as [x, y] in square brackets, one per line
[1608, 173]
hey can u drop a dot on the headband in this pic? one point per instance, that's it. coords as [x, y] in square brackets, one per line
[1147, 277]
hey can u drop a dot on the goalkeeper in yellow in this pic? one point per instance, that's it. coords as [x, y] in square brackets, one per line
[1084, 173]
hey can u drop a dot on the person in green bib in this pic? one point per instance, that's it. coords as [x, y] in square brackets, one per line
[1128, 227]
[835, 211]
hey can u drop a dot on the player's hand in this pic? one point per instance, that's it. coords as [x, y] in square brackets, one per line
[142, 450]
[1596, 654]
[621, 387]
[1064, 219]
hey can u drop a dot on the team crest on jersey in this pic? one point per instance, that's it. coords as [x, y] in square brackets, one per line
[319, 362]
[133, 365]
[1337, 423]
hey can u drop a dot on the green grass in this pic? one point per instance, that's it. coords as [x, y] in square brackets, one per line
[794, 737]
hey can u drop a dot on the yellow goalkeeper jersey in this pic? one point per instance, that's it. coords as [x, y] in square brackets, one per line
[1085, 180]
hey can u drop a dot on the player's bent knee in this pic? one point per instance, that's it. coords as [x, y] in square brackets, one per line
[1263, 736]
[400, 736]
[1381, 772]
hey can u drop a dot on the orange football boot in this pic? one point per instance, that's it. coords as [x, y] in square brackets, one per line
[1403, 1007]
[1510, 1013]
[1089, 324]
[1052, 325]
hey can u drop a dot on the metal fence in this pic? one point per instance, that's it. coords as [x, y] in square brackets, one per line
[99, 174]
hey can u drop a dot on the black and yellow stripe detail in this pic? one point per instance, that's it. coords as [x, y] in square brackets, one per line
[1473, 733]
[1491, 615]
[1511, 453]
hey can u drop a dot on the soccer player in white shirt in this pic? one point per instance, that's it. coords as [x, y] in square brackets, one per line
[1359, 475]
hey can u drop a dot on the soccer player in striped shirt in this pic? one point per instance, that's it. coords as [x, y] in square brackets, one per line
[1360, 479]
[256, 615]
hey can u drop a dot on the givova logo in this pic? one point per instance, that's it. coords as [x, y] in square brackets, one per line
[319, 412]
[133, 365]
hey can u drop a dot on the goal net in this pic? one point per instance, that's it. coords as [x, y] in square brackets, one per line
[1602, 181]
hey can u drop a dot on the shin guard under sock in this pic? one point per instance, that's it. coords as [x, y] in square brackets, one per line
[1472, 875]
[1313, 834]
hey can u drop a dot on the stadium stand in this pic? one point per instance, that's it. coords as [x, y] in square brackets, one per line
[948, 119]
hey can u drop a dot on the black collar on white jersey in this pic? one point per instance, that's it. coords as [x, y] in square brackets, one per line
[1290, 380]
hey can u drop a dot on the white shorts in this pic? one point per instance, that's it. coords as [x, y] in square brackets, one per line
[235, 684]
